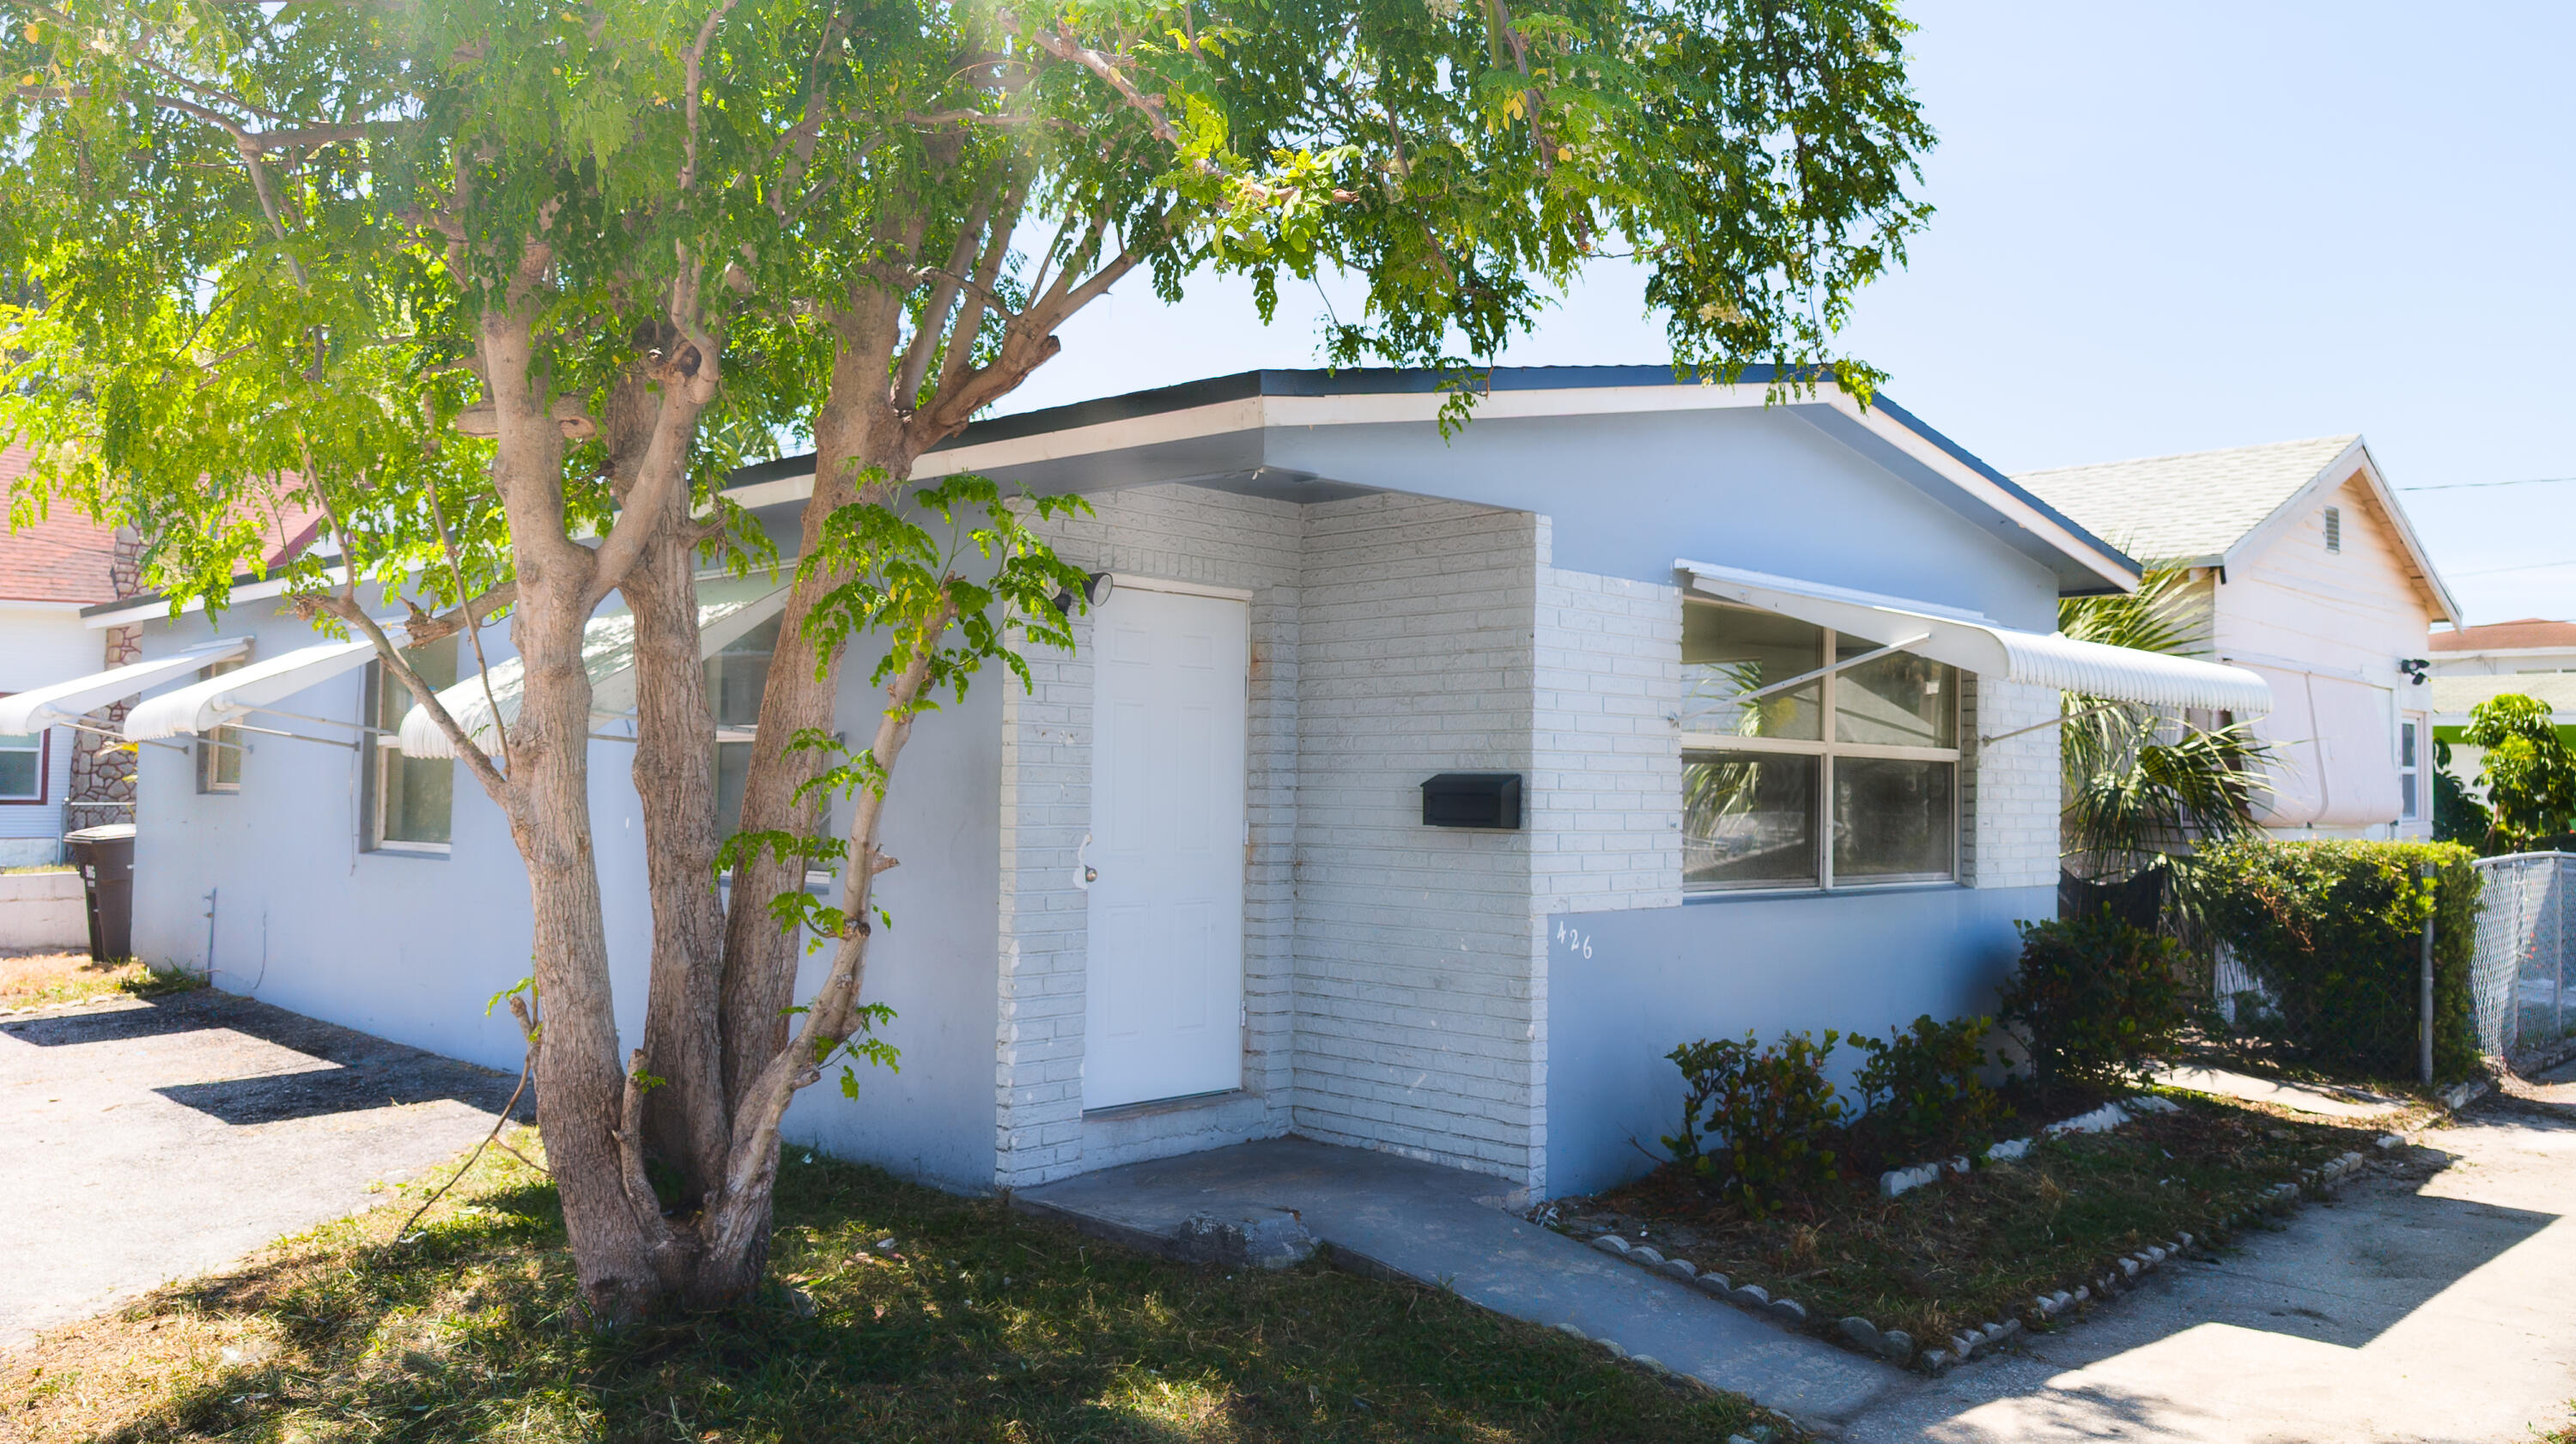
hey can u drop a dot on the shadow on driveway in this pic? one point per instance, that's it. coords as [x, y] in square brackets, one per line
[152, 1140]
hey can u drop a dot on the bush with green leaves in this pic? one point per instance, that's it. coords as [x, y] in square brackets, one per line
[2334, 931]
[2093, 999]
[2529, 773]
[1759, 1124]
[1924, 1091]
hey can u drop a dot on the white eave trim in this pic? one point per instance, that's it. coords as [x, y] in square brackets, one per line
[1975, 644]
[69, 701]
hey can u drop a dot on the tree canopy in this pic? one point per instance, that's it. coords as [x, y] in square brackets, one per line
[504, 290]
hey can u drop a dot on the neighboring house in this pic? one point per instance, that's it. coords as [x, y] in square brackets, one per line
[2533, 656]
[55, 779]
[2311, 575]
[1186, 888]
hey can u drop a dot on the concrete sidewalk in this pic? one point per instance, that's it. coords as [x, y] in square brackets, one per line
[1445, 1228]
[2432, 1302]
[151, 1141]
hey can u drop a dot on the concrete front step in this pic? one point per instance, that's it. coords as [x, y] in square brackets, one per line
[1446, 1228]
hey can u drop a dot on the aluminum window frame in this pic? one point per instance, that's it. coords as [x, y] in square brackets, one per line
[1826, 748]
[378, 736]
[43, 738]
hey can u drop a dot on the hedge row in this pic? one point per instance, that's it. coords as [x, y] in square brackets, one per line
[2334, 932]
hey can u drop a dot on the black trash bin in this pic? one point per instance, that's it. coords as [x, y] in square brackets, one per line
[105, 857]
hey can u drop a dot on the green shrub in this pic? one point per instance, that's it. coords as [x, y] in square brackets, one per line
[2334, 931]
[1758, 1124]
[1923, 1092]
[2093, 999]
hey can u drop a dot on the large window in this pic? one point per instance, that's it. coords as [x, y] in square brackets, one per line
[409, 799]
[1846, 778]
[219, 749]
[22, 766]
[736, 677]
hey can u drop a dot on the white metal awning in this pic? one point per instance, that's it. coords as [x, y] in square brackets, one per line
[203, 706]
[727, 609]
[1974, 644]
[63, 703]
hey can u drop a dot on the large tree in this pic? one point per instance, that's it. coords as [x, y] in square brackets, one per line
[505, 288]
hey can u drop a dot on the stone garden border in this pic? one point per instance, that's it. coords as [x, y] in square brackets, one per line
[1899, 1347]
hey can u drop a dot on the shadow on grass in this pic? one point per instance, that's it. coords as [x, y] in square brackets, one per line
[976, 1323]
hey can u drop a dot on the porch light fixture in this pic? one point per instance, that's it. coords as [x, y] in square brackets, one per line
[1095, 590]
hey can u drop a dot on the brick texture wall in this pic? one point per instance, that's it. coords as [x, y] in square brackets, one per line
[1183, 534]
[1419, 1014]
[2010, 789]
[1396, 976]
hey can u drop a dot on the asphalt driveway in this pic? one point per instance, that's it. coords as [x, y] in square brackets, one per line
[142, 1142]
[2433, 1300]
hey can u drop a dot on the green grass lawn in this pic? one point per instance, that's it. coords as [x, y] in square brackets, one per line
[975, 1324]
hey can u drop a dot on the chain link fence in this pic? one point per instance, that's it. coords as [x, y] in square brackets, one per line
[2521, 990]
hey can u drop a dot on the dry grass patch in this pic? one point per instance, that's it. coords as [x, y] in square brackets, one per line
[33, 980]
[1968, 1250]
[974, 1324]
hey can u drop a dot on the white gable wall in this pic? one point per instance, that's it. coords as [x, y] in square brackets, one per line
[2296, 611]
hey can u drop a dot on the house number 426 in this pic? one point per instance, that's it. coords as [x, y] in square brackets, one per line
[1574, 941]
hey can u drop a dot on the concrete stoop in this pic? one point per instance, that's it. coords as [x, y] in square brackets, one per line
[1267, 1202]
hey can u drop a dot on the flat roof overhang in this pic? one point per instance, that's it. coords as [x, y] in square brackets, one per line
[1239, 433]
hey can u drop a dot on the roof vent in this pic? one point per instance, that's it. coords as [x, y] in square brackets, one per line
[2334, 529]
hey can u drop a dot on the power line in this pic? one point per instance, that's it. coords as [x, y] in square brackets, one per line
[2525, 567]
[2470, 485]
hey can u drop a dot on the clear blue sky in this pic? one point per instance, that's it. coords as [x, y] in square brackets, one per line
[2171, 228]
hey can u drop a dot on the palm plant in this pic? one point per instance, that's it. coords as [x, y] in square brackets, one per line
[2142, 785]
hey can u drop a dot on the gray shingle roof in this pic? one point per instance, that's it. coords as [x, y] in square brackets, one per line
[2184, 507]
[2454, 695]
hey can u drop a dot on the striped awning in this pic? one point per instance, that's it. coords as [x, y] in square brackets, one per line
[727, 609]
[204, 706]
[57, 703]
[1989, 649]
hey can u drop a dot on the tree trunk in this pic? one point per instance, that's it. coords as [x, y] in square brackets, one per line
[854, 432]
[581, 1085]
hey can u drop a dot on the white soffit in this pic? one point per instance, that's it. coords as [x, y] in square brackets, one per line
[728, 608]
[1972, 643]
[61, 702]
[205, 705]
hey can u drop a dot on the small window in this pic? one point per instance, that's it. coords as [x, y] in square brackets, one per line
[409, 800]
[1847, 778]
[2408, 773]
[2334, 529]
[736, 678]
[219, 750]
[23, 756]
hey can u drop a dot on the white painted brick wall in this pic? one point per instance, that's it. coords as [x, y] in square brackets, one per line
[1396, 975]
[1419, 1009]
[1605, 832]
[2010, 788]
[1184, 534]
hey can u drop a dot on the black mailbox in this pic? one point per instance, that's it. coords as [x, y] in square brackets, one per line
[1472, 799]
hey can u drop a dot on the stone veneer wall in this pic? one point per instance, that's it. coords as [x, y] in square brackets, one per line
[102, 774]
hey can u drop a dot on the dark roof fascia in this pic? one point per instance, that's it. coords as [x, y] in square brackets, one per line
[1389, 380]
[1243, 385]
[240, 579]
[1973, 462]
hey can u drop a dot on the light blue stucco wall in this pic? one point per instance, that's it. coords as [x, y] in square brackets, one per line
[1655, 978]
[1745, 487]
[412, 948]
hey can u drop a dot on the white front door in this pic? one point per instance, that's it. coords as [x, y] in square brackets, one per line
[1166, 943]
